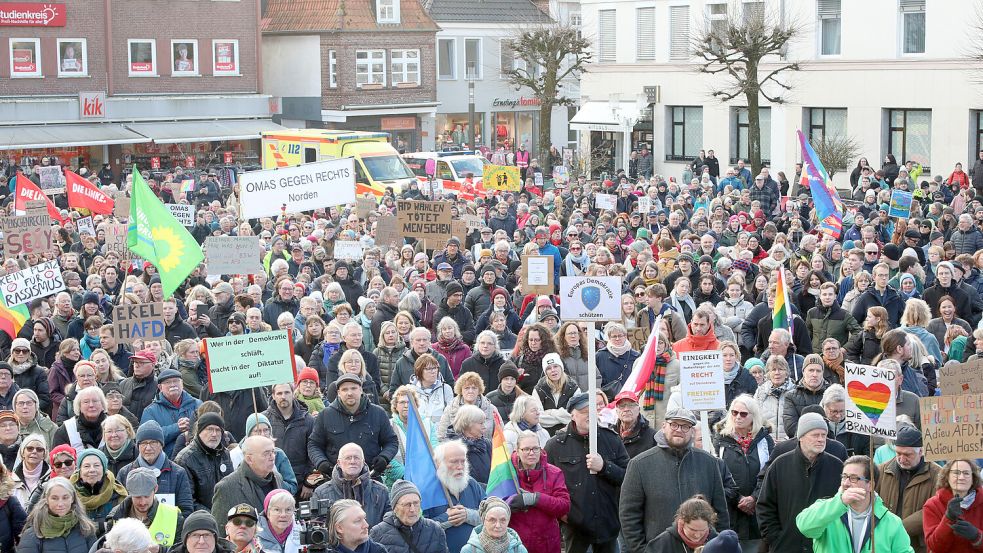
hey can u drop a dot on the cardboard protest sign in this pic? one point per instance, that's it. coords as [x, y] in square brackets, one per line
[639, 337]
[36, 205]
[952, 427]
[473, 222]
[303, 187]
[25, 234]
[871, 396]
[250, 361]
[590, 298]
[606, 201]
[501, 177]
[142, 321]
[121, 206]
[701, 379]
[51, 179]
[644, 205]
[39, 281]
[348, 249]
[537, 274]
[900, 205]
[86, 226]
[430, 221]
[459, 229]
[387, 231]
[364, 205]
[232, 255]
[961, 378]
[116, 240]
[184, 213]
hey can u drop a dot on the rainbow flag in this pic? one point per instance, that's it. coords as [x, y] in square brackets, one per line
[781, 315]
[829, 208]
[12, 319]
[501, 478]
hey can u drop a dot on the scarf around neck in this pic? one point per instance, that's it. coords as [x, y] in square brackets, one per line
[690, 544]
[655, 386]
[57, 527]
[94, 497]
[730, 375]
[618, 351]
[494, 545]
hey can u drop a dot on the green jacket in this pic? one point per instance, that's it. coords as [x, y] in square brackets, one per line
[825, 522]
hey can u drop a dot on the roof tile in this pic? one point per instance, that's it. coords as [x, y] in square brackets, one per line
[340, 15]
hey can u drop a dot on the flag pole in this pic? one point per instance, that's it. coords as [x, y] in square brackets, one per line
[412, 399]
[515, 477]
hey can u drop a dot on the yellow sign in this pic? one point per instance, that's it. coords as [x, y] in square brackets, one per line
[500, 177]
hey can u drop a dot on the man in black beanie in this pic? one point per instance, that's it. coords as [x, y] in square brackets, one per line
[907, 482]
[200, 535]
[206, 459]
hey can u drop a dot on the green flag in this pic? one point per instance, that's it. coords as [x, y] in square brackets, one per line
[155, 235]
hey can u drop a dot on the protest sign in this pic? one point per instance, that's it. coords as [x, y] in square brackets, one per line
[39, 281]
[538, 180]
[644, 205]
[363, 206]
[25, 234]
[86, 226]
[590, 298]
[142, 321]
[250, 361]
[870, 401]
[387, 231]
[51, 179]
[952, 427]
[348, 249]
[184, 213]
[473, 222]
[537, 274]
[232, 255]
[701, 379]
[36, 205]
[606, 201]
[303, 188]
[121, 206]
[116, 240]
[501, 177]
[561, 174]
[459, 228]
[430, 221]
[900, 205]
[639, 337]
[961, 378]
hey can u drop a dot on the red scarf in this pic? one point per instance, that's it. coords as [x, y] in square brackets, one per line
[682, 536]
[744, 442]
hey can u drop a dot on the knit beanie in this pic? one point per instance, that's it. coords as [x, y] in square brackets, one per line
[199, 520]
[271, 495]
[490, 503]
[150, 430]
[209, 419]
[508, 368]
[253, 420]
[20, 343]
[29, 393]
[454, 287]
[809, 422]
[92, 452]
[725, 542]
[309, 373]
[401, 488]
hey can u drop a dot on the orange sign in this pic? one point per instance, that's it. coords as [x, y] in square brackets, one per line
[398, 123]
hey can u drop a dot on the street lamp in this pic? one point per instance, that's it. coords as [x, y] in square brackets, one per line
[472, 75]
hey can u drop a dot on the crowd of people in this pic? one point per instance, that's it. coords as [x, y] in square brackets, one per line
[117, 447]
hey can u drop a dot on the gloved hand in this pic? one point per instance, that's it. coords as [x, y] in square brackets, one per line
[325, 468]
[529, 498]
[954, 510]
[516, 503]
[965, 530]
[379, 464]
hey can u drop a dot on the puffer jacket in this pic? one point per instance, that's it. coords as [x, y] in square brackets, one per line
[138, 393]
[745, 468]
[614, 369]
[503, 402]
[830, 322]
[173, 479]
[555, 415]
[74, 542]
[474, 542]
[205, 468]
[167, 415]
[460, 314]
[772, 403]
[292, 436]
[403, 372]
[387, 358]
[425, 536]
[938, 529]
[797, 400]
[640, 439]
[35, 377]
[371, 494]
[967, 241]
[863, 347]
[485, 367]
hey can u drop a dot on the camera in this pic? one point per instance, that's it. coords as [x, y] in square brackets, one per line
[315, 534]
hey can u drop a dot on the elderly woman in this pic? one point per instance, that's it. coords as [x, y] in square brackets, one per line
[468, 390]
[119, 445]
[279, 531]
[493, 535]
[692, 527]
[614, 361]
[31, 420]
[352, 362]
[401, 410]
[953, 517]
[348, 530]
[770, 396]
[97, 487]
[469, 425]
[554, 390]
[129, 535]
[434, 394]
[543, 498]
[58, 522]
[85, 377]
[744, 443]
[31, 468]
[486, 359]
[525, 416]
[85, 428]
[12, 513]
[451, 344]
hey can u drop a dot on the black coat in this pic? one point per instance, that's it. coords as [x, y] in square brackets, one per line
[503, 402]
[371, 365]
[127, 456]
[205, 468]
[179, 330]
[292, 434]
[745, 468]
[485, 367]
[863, 347]
[641, 439]
[797, 400]
[334, 427]
[90, 432]
[36, 378]
[461, 315]
[236, 405]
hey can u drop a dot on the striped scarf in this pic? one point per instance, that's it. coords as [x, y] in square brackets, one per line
[655, 387]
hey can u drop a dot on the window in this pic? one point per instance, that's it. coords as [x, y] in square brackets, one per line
[909, 135]
[225, 58]
[387, 11]
[332, 69]
[826, 122]
[73, 59]
[508, 60]
[739, 133]
[686, 133]
[405, 67]
[577, 21]
[717, 16]
[912, 26]
[979, 137]
[142, 57]
[829, 27]
[184, 57]
[607, 36]
[753, 12]
[472, 58]
[446, 60]
[370, 68]
[25, 57]
[645, 34]
[679, 32]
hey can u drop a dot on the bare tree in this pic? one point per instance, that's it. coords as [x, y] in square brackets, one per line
[733, 47]
[546, 55]
[836, 152]
[974, 44]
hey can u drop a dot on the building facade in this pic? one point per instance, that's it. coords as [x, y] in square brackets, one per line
[895, 75]
[365, 65]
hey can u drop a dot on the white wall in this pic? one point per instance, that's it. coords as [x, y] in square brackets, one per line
[292, 65]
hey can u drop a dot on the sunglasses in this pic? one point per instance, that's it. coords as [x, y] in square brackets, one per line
[20, 350]
[61, 464]
[34, 449]
[242, 521]
[736, 413]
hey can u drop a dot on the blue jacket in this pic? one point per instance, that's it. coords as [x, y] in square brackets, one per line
[550, 249]
[164, 412]
[474, 543]
[614, 370]
[425, 536]
[173, 479]
[457, 536]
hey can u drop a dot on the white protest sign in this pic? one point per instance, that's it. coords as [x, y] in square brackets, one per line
[644, 205]
[51, 179]
[39, 281]
[232, 255]
[590, 298]
[701, 379]
[539, 271]
[302, 188]
[870, 400]
[606, 201]
[184, 213]
[348, 249]
[86, 226]
[538, 179]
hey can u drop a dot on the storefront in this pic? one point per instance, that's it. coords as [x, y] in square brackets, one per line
[453, 129]
[513, 128]
[193, 155]
[404, 130]
[607, 133]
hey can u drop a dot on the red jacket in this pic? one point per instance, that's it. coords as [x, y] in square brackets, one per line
[938, 529]
[707, 342]
[539, 527]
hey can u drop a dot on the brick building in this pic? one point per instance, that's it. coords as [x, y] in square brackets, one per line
[353, 64]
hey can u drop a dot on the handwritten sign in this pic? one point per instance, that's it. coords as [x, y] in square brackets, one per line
[25, 234]
[429, 221]
[870, 401]
[86, 226]
[348, 249]
[952, 427]
[364, 205]
[639, 337]
[50, 177]
[701, 379]
[387, 231]
[961, 378]
[590, 298]
[138, 322]
[39, 281]
[501, 177]
[473, 222]
[900, 205]
[644, 205]
[233, 255]
[606, 201]
[116, 240]
[184, 213]
[121, 206]
[537, 274]
[249, 361]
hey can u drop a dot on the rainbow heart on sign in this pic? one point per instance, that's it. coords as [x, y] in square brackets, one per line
[872, 400]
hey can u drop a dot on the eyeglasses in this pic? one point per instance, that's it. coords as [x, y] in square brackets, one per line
[958, 473]
[853, 478]
[24, 403]
[243, 521]
[536, 449]
[736, 413]
[678, 426]
[61, 464]
[279, 511]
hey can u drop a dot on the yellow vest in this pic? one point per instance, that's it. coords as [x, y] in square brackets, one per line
[163, 530]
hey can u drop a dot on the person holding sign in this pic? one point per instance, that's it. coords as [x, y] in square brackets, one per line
[954, 515]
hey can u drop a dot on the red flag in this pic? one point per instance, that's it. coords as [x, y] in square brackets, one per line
[27, 191]
[83, 194]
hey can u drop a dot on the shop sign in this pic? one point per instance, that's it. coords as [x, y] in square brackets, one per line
[155, 162]
[276, 105]
[225, 57]
[227, 158]
[398, 123]
[513, 103]
[32, 14]
[92, 105]
[23, 60]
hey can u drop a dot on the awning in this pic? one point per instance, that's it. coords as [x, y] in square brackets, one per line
[51, 136]
[172, 132]
[605, 116]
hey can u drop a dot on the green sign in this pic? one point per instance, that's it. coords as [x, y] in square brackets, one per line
[250, 360]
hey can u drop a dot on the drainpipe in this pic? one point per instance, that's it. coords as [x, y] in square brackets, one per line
[108, 18]
[259, 46]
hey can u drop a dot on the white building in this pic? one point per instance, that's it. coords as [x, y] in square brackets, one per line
[893, 74]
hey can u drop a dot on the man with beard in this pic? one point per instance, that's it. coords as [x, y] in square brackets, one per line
[164, 521]
[205, 459]
[466, 493]
[350, 479]
[291, 426]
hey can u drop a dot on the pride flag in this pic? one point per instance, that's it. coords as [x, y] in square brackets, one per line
[502, 478]
[12, 319]
[829, 208]
[419, 467]
[781, 316]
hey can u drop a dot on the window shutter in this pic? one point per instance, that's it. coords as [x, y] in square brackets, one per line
[912, 5]
[645, 34]
[679, 24]
[607, 39]
[829, 9]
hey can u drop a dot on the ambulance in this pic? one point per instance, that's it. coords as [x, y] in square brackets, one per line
[377, 164]
[452, 168]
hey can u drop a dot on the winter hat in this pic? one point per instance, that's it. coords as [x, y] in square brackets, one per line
[141, 482]
[547, 313]
[742, 265]
[809, 422]
[199, 520]
[507, 369]
[892, 252]
[90, 297]
[271, 495]
[552, 359]
[488, 268]
[92, 452]
[20, 343]
[150, 430]
[63, 448]
[490, 503]
[7, 415]
[401, 488]
[253, 420]
[309, 373]
[498, 292]
[454, 287]
[49, 327]
[544, 301]
[908, 436]
[209, 419]
[167, 374]
[238, 318]
[754, 362]
[725, 542]
[4, 366]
